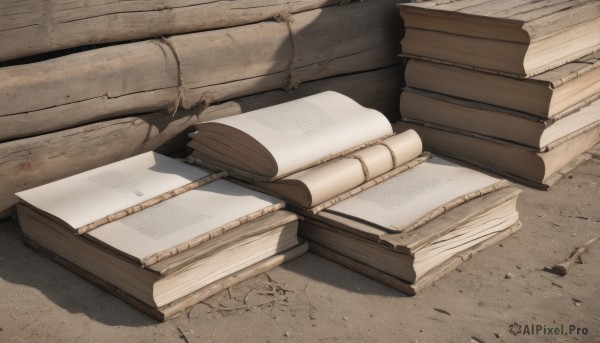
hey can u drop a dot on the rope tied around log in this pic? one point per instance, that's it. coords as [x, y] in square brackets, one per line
[287, 18]
[182, 98]
[181, 92]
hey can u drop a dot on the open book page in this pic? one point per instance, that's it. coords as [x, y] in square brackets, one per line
[301, 132]
[83, 198]
[329, 179]
[180, 219]
[404, 199]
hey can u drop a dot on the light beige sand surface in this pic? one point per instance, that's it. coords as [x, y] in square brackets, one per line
[314, 300]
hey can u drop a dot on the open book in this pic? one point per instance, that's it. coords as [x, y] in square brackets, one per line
[279, 140]
[308, 150]
[410, 261]
[154, 227]
[413, 223]
[360, 191]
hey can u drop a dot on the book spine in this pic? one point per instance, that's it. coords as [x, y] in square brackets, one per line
[148, 203]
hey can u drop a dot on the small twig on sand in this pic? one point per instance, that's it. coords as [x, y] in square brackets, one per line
[247, 296]
[207, 304]
[563, 267]
[245, 307]
[183, 335]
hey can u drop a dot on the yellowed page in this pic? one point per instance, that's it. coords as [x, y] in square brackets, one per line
[404, 199]
[329, 179]
[301, 132]
[84, 198]
[180, 219]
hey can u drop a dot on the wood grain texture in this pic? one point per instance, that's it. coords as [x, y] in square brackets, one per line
[377, 89]
[216, 65]
[34, 161]
[32, 27]
[519, 20]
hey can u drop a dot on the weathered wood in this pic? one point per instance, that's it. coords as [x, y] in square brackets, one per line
[30, 27]
[30, 162]
[378, 89]
[34, 161]
[215, 65]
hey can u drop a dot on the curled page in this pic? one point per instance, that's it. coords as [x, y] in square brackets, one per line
[284, 138]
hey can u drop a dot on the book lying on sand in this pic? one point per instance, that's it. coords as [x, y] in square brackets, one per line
[157, 229]
[546, 95]
[411, 261]
[417, 220]
[308, 150]
[520, 38]
[359, 190]
[529, 166]
[423, 107]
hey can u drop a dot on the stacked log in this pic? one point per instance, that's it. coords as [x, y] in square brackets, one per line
[34, 161]
[214, 66]
[31, 27]
[62, 116]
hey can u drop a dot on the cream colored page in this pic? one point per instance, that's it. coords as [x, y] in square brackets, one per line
[84, 198]
[181, 218]
[330, 179]
[404, 199]
[301, 132]
[327, 180]
[406, 146]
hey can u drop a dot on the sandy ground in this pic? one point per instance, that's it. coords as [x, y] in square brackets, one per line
[313, 300]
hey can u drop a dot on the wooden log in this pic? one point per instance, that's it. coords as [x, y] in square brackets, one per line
[31, 27]
[34, 161]
[378, 89]
[215, 66]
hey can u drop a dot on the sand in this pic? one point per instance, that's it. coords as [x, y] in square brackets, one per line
[313, 300]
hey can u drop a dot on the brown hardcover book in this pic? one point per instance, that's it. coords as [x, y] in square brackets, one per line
[356, 182]
[520, 38]
[425, 107]
[546, 95]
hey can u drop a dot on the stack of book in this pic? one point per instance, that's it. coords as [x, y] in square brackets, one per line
[373, 201]
[158, 233]
[510, 87]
